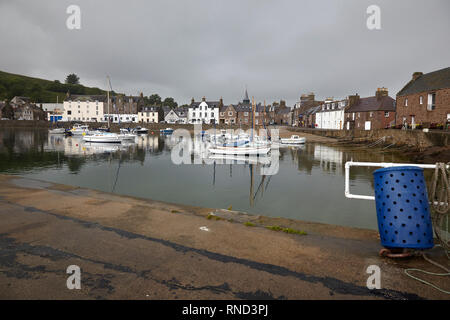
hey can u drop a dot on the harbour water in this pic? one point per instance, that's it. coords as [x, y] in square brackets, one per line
[309, 184]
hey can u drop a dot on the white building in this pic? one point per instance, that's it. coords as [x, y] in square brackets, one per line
[331, 115]
[204, 112]
[148, 115]
[177, 115]
[86, 108]
[120, 118]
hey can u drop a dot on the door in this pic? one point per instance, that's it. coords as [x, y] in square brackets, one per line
[367, 125]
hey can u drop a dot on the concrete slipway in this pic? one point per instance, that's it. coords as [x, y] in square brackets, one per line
[130, 248]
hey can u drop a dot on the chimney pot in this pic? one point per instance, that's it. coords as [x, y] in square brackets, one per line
[416, 75]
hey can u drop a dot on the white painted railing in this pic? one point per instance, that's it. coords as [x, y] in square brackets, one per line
[349, 164]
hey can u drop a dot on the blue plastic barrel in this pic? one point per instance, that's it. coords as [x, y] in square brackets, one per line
[403, 212]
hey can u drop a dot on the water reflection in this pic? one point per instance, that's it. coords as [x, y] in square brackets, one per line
[308, 186]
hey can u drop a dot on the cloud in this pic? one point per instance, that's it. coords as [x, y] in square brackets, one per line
[214, 48]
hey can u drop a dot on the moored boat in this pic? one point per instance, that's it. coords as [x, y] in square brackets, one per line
[102, 137]
[79, 130]
[166, 131]
[294, 139]
[140, 130]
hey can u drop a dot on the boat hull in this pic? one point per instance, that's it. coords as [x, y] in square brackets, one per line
[239, 150]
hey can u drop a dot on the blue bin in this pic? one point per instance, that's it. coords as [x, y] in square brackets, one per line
[403, 213]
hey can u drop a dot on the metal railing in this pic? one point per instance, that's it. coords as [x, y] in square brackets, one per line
[350, 164]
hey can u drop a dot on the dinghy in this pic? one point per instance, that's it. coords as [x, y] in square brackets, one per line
[294, 139]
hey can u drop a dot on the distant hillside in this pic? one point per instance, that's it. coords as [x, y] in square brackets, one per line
[39, 90]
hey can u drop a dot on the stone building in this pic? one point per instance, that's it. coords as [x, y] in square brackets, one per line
[425, 100]
[377, 112]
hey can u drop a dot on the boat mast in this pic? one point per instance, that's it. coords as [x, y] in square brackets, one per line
[253, 116]
[109, 87]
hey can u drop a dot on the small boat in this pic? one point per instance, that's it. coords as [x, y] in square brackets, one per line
[102, 137]
[140, 130]
[294, 139]
[57, 131]
[244, 150]
[126, 134]
[166, 131]
[79, 130]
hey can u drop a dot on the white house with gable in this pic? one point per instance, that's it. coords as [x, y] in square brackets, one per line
[204, 112]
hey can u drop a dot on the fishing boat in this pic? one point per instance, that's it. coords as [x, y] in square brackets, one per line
[102, 137]
[140, 130]
[166, 131]
[294, 139]
[57, 131]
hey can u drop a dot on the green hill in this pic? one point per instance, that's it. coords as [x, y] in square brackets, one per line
[39, 90]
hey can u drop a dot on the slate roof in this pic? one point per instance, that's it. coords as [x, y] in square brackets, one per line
[211, 104]
[435, 80]
[385, 103]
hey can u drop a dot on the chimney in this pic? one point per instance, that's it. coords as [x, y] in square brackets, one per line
[416, 75]
[221, 101]
[353, 100]
[203, 99]
[142, 94]
[381, 92]
[192, 101]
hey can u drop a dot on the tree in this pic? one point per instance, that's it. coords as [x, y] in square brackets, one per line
[8, 112]
[170, 102]
[154, 99]
[72, 79]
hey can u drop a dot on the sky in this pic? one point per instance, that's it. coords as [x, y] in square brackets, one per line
[216, 48]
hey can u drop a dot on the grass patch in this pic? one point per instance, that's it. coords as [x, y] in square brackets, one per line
[174, 211]
[287, 230]
[214, 217]
[249, 224]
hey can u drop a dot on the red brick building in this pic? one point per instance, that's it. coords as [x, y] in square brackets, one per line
[370, 113]
[425, 100]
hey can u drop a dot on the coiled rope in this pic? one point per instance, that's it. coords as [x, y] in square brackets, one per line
[439, 198]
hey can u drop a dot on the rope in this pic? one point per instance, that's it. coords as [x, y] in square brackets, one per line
[439, 199]
[430, 273]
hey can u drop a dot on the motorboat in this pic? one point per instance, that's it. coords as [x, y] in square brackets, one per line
[102, 137]
[166, 131]
[57, 131]
[80, 130]
[126, 134]
[294, 139]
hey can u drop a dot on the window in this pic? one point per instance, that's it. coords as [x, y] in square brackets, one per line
[431, 101]
[371, 114]
[246, 114]
[222, 114]
[212, 114]
[230, 113]
[69, 112]
[420, 100]
[406, 102]
[386, 114]
[359, 115]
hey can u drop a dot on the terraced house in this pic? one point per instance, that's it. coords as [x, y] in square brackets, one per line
[425, 100]
[377, 112]
[87, 108]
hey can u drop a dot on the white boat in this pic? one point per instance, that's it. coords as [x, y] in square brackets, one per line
[294, 139]
[126, 134]
[244, 150]
[102, 137]
[140, 130]
[57, 131]
[79, 130]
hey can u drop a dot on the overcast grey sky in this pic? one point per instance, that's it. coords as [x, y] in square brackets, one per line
[213, 48]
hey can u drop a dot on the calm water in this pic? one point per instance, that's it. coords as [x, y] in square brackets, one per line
[309, 184]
